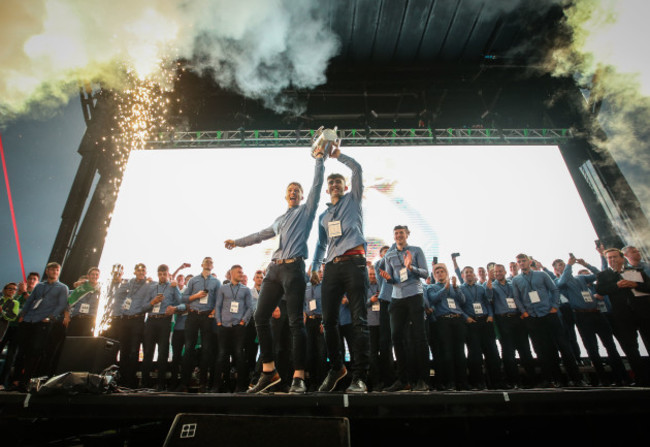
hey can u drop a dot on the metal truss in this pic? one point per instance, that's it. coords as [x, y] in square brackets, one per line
[357, 137]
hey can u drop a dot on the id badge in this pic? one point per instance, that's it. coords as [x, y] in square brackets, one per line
[312, 305]
[84, 308]
[127, 304]
[451, 303]
[511, 303]
[234, 307]
[586, 295]
[534, 297]
[156, 308]
[37, 303]
[478, 309]
[334, 228]
[403, 274]
[602, 307]
[375, 307]
[204, 300]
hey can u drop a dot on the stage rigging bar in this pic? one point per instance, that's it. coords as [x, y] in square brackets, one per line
[359, 137]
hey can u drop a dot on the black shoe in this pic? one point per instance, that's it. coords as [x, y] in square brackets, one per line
[332, 379]
[357, 386]
[267, 380]
[298, 386]
[421, 386]
[378, 387]
[398, 387]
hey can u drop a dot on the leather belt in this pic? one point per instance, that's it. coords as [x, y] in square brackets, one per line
[451, 316]
[84, 317]
[132, 317]
[343, 258]
[200, 312]
[315, 317]
[586, 311]
[158, 316]
[509, 315]
[288, 260]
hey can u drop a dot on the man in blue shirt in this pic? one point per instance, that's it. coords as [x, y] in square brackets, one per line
[163, 297]
[43, 309]
[539, 299]
[385, 347]
[340, 231]
[83, 310]
[233, 310]
[590, 321]
[285, 277]
[406, 266]
[633, 256]
[199, 296]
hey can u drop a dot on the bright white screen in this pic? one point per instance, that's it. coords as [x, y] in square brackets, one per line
[486, 202]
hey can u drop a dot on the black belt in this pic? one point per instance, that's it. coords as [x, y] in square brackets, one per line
[288, 260]
[586, 310]
[158, 316]
[132, 317]
[347, 258]
[315, 317]
[200, 312]
[84, 317]
[451, 316]
[510, 315]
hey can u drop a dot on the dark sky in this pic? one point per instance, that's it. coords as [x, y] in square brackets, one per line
[42, 160]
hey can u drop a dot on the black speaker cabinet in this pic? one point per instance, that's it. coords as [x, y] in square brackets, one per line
[87, 354]
[250, 431]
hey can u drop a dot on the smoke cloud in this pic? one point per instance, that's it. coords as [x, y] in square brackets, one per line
[257, 47]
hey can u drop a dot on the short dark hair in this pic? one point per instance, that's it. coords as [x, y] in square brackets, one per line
[522, 256]
[163, 268]
[52, 264]
[296, 184]
[92, 269]
[140, 264]
[9, 284]
[616, 250]
[236, 266]
[467, 267]
[557, 261]
[402, 227]
[34, 274]
[335, 176]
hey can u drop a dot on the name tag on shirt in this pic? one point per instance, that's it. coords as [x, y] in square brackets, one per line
[84, 308]
[534, 296]
[602, 307]
[204, 300]
[451, 303]
[586, 295]
[375, 307]
[403, 274]
[312, 305]
[234, 307]
[37, 303]
[127, 304]
[156, 308]
[478, 309]
[632, 275]
[334, 228]
[511, 303]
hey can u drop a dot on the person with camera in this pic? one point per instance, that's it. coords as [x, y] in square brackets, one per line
[539, 298]
[199, 297]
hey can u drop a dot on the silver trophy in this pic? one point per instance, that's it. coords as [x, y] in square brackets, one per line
[324, 142]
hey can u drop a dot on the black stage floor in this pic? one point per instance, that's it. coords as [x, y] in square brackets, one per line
[513, 416]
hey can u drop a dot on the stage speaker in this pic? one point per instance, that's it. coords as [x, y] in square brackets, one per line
[250, 431]
[87, 354]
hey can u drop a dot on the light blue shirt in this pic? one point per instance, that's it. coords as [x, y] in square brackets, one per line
[171, 297]
[195, 285]
[373, 315]
[294, 225]
[47, 300]
[500, 293]
[547, 291]
[573, 286]
[385, 288]
[394, 265]
[133, 296]
[227, 296]
[91, 299]
[477, 300]
[446, 301]
[349, 213]
[313, 300]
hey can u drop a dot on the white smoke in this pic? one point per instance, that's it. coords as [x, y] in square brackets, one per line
[257, 47]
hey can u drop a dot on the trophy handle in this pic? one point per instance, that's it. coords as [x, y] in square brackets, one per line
[317, 134]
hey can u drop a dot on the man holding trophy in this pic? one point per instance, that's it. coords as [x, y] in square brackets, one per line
[286, 274]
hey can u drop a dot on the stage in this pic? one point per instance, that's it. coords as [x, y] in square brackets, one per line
[144, 418]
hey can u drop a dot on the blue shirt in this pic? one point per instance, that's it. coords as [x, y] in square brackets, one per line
[115, 305]
[255, 295]
[86, 305]
[446, 301]
[349, 213]
[345, 317]
[133, 296]
[540, 282]
[373, 315]
[573, 288]
[47, 300]
[171, 297]
[476, 300]
[180, 318]
[234, 304]
[385, 288]
[500, 295]
[194, 286]
[394, 265]
[294, 225]
[312, 306]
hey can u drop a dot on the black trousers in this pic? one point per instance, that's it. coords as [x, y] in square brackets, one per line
[348, 278]
[156, 334]
[434, 346]
[402, 312]
[514, 338]
[569, 326]
[10, 340]
[32, 345]
[81, 326]
[286, 280]
[231, 343]
[452, 333]
[197, 323]
[281, 337]
[130, 338]
[547, 335]
[251, 347]
[481, 343]
[178, 344]
[316, 351]
[628, 324]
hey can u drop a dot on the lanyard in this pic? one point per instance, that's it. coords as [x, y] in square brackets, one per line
[530, 282]
[474, 294]
[234, 294]
[505, 291]
[158, 290]
[136, 290]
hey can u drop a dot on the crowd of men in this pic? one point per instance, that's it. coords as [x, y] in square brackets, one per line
[288, 330]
